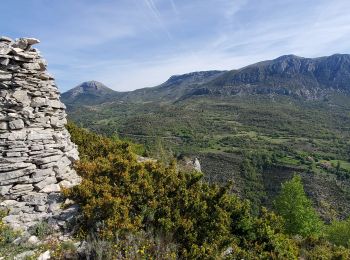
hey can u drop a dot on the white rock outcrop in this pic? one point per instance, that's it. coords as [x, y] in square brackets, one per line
[36, 153]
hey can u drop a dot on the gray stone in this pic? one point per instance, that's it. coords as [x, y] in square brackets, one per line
[45, 256]
[31, 66]
[17, 135]
[32, 41]
[13, 154]
[54, 207]
[16, 174]
[47, 181]
[4, 61]
[41, 208]
[57, 123]
[16, 124]
[5, 75]
[20, 43]
[35, 198]
[11, 203]
[38, 102]
[33, 240]
[34, 135]
[55, 104]
[3, 126]
[4, 48]
[11, 167]
[41, 174]
[24, 255]
[21, 96]
[5, 39]
[16, 50]
[21, 188]
[51, 188]
[47, 159]
[5, 189]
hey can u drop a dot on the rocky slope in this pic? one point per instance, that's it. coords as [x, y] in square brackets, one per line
[288, 75]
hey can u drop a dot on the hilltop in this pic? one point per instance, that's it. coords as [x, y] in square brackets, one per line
[89, 92]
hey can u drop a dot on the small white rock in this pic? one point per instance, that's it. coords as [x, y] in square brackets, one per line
[33, 240]
[45, 256]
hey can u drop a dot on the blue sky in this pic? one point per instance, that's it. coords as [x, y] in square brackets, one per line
[130, 44]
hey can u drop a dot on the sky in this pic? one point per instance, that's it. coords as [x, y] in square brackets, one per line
[131, 44]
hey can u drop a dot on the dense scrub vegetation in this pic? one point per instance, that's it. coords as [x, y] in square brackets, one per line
[132, 210]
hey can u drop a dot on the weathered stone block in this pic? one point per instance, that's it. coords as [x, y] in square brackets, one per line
[16, 124]
[35, 198]
[47, 181]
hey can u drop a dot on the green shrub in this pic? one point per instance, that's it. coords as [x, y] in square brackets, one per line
[296, 209]
[41, 230]
[338, 232]
[7, 234]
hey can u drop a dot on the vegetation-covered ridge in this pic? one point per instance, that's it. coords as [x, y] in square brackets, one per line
[152, 210]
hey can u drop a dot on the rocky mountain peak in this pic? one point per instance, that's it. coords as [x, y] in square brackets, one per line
[92, 87]
[88, 92]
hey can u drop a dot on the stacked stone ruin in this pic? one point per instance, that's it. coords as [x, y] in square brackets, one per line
[36, 153]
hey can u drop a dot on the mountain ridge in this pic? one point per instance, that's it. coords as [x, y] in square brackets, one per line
[291, 75]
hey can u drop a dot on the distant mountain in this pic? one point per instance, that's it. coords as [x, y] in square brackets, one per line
[288, 75]
[89, 92]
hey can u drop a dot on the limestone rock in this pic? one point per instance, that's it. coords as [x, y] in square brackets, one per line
[35, 198]
[51, 188]
[16, 124]
[21, 96]
[5, 39]
[36, 154]
[45, 256]
[47, 181]
[33, 240]
[24, 255]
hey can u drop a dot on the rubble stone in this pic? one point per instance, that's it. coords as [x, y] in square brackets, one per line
[36, 153]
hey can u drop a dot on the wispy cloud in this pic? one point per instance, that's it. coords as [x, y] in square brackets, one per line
[156, 14]
[173, 6]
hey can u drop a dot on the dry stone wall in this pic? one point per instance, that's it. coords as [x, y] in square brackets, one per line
[36, 153]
